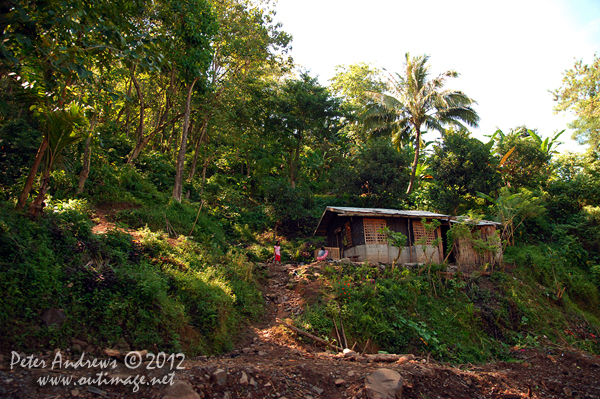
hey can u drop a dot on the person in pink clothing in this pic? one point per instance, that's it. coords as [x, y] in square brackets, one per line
[322, 255]
[277, 253]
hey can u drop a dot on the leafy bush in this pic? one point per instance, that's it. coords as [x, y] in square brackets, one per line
[376, 176]
[289, 209]
[116, 291]
[397, 312]
[158, 169]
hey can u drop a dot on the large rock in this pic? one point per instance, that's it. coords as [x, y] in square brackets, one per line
[181, 390]
[384, 384]
[219, 377]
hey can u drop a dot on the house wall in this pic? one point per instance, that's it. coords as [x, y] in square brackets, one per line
[387, 254]
[356, 230]
[463, 252]
[399, 225]
[381, 252]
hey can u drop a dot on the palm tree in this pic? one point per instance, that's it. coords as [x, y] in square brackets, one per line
[416, 102]
[60, 131]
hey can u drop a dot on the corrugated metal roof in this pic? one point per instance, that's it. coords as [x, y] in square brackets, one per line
[330, 211]
[381, 211]
[480, 223]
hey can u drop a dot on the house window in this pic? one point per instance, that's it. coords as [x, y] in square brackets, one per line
[372, 234]
[348, 234]
[419, 232]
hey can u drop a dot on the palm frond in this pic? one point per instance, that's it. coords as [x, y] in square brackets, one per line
[59, 129]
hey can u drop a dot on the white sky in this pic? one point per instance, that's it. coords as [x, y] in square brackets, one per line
[509, 54]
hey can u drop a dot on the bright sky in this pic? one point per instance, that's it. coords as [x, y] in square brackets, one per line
[509, 54]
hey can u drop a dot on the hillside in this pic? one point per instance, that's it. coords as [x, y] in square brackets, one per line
[156, 159]
[269, 359]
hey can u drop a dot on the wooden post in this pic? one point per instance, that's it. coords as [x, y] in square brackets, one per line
[409, 240]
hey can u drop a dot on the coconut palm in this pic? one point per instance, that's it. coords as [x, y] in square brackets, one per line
[415, 103]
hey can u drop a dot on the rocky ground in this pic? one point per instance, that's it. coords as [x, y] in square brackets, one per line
[271, 362]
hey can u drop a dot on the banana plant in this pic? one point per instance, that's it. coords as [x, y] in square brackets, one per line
[498, 135]
[547, 144]
[512, 209]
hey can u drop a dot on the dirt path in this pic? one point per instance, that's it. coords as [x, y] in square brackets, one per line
[269, 362]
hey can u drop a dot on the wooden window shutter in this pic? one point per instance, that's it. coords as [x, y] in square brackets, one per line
[372, 234]
[348, 234]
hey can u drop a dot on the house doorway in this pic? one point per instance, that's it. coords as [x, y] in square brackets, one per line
[445, 229]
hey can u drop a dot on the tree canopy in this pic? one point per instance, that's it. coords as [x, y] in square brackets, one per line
[580, 94]
[417, 102]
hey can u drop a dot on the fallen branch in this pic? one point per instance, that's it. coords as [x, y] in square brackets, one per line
[308, 335]
[343, 333]
[197, 216]
[390, 358]
[170, 229]
[337, 332]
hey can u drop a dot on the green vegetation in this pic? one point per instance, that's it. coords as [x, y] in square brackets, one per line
[459, 319]
[116, 290]
[186, 126]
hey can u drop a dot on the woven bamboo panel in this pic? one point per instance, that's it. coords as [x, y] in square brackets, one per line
[467, 256]
[420, 232]
[372, 234]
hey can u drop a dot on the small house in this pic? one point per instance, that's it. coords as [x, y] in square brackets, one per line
[466, 253]
[356, 233]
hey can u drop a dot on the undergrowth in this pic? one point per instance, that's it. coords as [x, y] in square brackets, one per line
[116, 291]
[462, 319]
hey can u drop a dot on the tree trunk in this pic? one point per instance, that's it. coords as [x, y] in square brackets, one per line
[415, 161]
[172, 137]
[197, 149]
[139, 133]
[181, 156]
[247, 164]
[294, 165]
[37, 206]
[206, 161]
[32, 172]
[142, 143]
[127, 106]
[87, 156]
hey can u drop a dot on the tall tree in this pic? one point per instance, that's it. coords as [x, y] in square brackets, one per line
[193, 25]
[351, 84]
[461, 166]
[247, 42]
[60, 131]
[303, 111]
[524, 162]
[580, 94]
[57, 47]
[415, 102]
